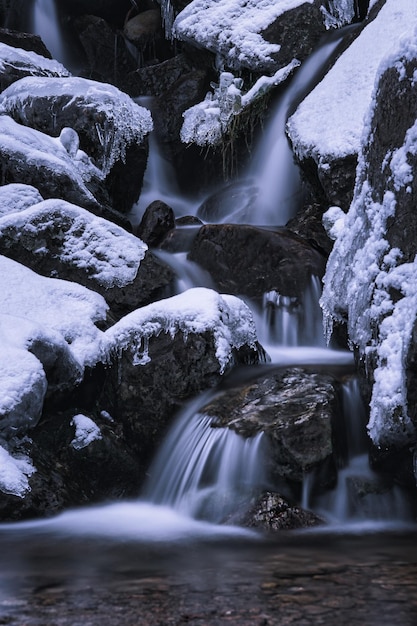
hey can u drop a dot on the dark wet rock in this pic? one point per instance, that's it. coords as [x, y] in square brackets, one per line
[60, 240]
[158, 78]
[252, 261]
[296, 410]
[180, 239]
[157, 221]
[298, 32]
[25, 41]
[144, 28]
[308, 224]
[107, 57]
[271, 513]
[114, 13]
[71, 472]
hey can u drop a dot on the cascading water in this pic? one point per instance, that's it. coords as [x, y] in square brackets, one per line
[290, 321]
[206, 472]
[273, 168]
[45, 23]
[159, 182]
[361, 497]
[272, 184]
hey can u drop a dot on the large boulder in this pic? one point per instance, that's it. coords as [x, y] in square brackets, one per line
[370, 281]
[17, 63]
[31, 157]
[296, 410]
[168, 351]
[60, 240]
[112, 129]
[253, 261]
[326, 129]
[259, 38]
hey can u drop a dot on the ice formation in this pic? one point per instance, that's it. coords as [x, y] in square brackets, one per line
[105, 251]
[194, 311]
[337, 13]
[206, 122]
[119, 120]
[86, 431]
[363, 273]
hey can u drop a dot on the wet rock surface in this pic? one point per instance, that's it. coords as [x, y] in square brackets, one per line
[295, 409]
[252, 261]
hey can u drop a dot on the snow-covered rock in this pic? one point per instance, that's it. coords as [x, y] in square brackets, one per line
[370, 281]
[17, 196]
[16, 63]
[112, 128]
[86, 431]
[31, 157]
[251, 34]
[327, 127]
[167, 352]
[58, 307]
[15, 472]
[61, 240]
[196, 311]
[270, 38]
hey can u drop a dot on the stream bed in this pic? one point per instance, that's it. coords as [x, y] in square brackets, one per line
[298, 578]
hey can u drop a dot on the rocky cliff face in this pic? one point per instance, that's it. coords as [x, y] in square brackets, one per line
[370, 278]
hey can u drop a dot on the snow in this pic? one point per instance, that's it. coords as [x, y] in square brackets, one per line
[31, 62]
[119, 120]
[17, 196]
[329, 123]
[334, 221]
[231, 29]
[14, 474]
[195, 311]
[86, 431]
[56, 306]
[363, 272]
[38, 149]
[206, 122]
[101, 249]
[22, 387]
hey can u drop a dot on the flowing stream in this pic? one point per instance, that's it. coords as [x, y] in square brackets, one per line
[202, 474]
[165, 557]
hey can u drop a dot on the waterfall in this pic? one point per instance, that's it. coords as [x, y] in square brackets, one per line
[270, 190]
[159, 182]
[45, 23]
[361, 497]
[206, 472]
[293, 321]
